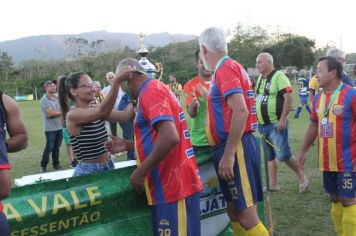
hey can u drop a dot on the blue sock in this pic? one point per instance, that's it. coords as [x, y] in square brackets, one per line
[308, 108]
[299, 110]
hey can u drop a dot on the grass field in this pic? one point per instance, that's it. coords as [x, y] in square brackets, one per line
[293, 213]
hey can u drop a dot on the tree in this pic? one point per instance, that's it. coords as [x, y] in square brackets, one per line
[247, 43]
[5, 64]
[293, 50]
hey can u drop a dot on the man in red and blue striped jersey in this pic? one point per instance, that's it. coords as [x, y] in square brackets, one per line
[333, 121]
[167, 168]
[231, 121]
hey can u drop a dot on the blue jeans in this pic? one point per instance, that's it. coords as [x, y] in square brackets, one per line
[4, 227]
[53, 143]
[277, 145]
[127, 127]
[85, 168]
[127, 134]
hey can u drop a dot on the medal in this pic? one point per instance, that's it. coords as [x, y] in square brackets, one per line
[324, 121]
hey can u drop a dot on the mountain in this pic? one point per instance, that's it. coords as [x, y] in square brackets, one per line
[57, 47]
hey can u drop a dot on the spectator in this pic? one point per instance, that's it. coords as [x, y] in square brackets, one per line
[110, 78]
[11, 123]
[127, 127]
[52, 125]
[174, 86]
[99, 96]
[273, 104]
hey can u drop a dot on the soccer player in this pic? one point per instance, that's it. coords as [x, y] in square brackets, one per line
[333, 121]
[303, 82]
[167, 168]
[196, 90]
[231, 121]
[313, 88]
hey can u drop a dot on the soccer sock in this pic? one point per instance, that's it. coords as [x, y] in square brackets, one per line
[349, 220]
[336, 213]
[299, 110]
[258, 230]
[308, 108]
[238, 229]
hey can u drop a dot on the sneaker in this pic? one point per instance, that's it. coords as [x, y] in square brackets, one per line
[57, 167]
[43, 170]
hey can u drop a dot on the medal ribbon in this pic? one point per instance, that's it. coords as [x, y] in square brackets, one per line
[333, 97]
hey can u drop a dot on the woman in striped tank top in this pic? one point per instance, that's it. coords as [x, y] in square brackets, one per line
[85, 121]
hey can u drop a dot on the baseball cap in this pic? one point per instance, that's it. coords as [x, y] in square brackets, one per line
[49, 82]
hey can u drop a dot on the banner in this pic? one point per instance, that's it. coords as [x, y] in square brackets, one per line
[104, 204]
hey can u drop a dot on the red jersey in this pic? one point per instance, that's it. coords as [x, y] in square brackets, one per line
[229, 78]
[336, 132]
[177, 176]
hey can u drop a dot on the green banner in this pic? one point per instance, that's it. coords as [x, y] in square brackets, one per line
[104, 204]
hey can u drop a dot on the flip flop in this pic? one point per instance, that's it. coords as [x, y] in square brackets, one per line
[303, 187]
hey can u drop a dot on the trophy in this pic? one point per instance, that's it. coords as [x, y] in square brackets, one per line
[150, 69]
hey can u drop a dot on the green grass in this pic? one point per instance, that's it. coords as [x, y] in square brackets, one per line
[293, 213]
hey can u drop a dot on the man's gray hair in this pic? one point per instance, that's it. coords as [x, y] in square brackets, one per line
[130, 62]
[214, 40]
[268, 56]
[335, 53]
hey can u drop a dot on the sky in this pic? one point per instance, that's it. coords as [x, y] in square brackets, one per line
[327, 21]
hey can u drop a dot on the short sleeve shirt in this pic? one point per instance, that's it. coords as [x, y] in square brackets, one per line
[50, 124]
[177, 176]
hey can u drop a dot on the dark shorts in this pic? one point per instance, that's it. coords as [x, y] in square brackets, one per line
[340, 183]
[245, 190]
[177, 218]
[275, 142]
[4, 227]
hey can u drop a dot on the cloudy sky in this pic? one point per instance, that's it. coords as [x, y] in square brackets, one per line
[325, 21]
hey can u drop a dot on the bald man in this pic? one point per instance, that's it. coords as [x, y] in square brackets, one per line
[273, 104]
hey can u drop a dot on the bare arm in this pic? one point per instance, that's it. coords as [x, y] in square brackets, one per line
[287, 105]
[122, 116]
[5, 184]
[239, 117]
[81, 116]
[166, 140]
[15, 126]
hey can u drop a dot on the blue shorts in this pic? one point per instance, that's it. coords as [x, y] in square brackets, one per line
[340, 183]
[303, 100]
[177, 218]
[277, 145]
[4, 227]
[85, 168]
[245, 190]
